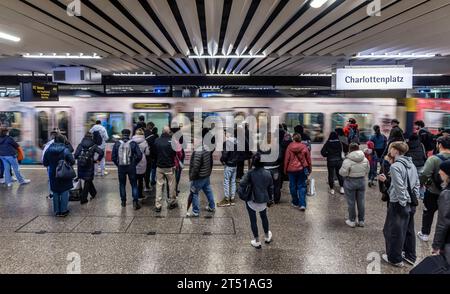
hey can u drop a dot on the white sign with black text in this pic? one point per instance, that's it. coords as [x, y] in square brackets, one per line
[374, 78]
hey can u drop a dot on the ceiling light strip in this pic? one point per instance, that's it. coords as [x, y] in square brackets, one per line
[66, 56]
[9, 37]
[226, 56]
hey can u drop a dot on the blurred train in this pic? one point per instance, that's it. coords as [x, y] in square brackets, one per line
[31, 123]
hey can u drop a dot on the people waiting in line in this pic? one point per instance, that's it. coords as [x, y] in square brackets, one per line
[333, 152]
[229, 159]
[403, 194]
[60, 188]
[431, 179]
[380, 142]
[141, 166]
[354, 170]
[297, 164]
[165, 172]
[85, 156]
[126, 155]
[261, 188]
[441, 242]
[150, 137]
[100, 137]
[200, 170]
[8, 156]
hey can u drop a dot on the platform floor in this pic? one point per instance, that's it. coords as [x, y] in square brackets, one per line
[110, 239]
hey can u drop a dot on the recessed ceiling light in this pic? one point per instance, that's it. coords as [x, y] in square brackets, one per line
[318, 3]
[66, 56]
[394, 56]
[9, 37]
[226, 56]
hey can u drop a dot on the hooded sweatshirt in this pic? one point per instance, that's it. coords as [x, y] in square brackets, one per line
[297, 158]
[143, 146]
[8, 147]
[101, 129]
[355, 165]
[398, 191]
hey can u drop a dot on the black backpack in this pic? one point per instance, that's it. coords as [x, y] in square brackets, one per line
[86, 157]
[245, 192]
[436, 177]
[428, 140]
[97, 138]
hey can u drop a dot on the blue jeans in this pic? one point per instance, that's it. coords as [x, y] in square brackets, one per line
[8, 163]
[123, 185]
[297, 186]
[153, 173]
[196, 187]
[60, 202]
[229, 178]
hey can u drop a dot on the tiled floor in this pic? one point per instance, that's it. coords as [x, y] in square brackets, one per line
[111, 239]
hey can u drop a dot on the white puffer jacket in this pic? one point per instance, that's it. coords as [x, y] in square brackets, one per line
[143, 146]
[355, 165]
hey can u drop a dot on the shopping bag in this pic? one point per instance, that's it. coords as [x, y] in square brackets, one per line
[311, 187]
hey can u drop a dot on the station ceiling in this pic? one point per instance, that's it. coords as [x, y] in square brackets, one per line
[160, 36]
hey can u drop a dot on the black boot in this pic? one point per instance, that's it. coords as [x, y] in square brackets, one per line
[124, 204]
[136, 205]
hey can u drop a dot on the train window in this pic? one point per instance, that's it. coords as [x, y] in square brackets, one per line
[42, 129]
[62, 119]
[13, 121]
[312, 122]
[364, 121]
[435, 120]
[160, 119]
[114, 122]
[187, 123]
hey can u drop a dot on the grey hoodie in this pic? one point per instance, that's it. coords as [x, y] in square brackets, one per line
[143, 146]
[355, 165]
[399, 174]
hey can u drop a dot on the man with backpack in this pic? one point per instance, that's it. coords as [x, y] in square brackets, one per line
[425, 136]
[433, 182]
[351, 131]
[380, 142]
[100, 137]
[125, 155]
[86, 165]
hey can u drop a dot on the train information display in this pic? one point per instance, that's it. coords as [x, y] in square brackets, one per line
[38, 92]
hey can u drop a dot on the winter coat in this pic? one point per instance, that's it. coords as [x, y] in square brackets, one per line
[55, 153]
[151, 139]
[136, 156]
[103, 133]
[87, 144]
[201, 165]
[332, 150]
[8, 147]
[417, 153]
[297, 158]
[262, 184]
[442, 234]
[398, 191]
[165, 155]
[230, 155]
[141, 166]
[379, 140]
[355, 165]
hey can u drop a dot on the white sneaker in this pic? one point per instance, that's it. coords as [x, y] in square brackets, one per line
[25, 182]
[192, 214]
[268, 239]
[256, 244]
[350, 223]
[342, 191]
[386, 259]
[423, 237]
[2, 180]
[361, 224]
[14, 179]
[332, 192]
[302, 208]
[9, 185]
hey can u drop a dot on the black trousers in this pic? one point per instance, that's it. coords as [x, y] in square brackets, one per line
[276, 178]
[254, 222]
[140, 182]
[88, 188]
[333, 172]
[240, 169]
[431, 206]
[148, 171]
[396, 229]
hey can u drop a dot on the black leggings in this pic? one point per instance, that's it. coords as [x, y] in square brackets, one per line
[333, 171]
[254, 223]
[140, 180]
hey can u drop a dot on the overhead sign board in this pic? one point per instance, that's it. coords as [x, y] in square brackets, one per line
[374, 78]
[38, 92]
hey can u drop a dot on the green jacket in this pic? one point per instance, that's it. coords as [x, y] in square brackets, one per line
[430, 170]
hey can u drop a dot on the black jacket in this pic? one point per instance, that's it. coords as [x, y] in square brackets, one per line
[88, 145]
[53, 155]
[332, 150]
[417, 153]
[274, 160]
[201, 165]
[230, 155]
[136, 156]
[427, 139]
[442, 234]
[262, 184]
[151, 139]
[165, 155]
[8, 147]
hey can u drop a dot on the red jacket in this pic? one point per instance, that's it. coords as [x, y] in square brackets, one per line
[297, 158]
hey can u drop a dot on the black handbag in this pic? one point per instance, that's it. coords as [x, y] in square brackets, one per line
[432, 265]
[245, 192]
[65, 171]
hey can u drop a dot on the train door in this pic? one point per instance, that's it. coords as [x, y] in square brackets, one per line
[48, 119]
[262, 116]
